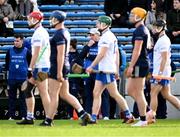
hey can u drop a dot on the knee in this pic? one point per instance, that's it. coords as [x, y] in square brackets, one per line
[114, 95]
[64, 95]
[96, 94]
[130, 93]
[28, 91]
[166, 96]
[153, 94]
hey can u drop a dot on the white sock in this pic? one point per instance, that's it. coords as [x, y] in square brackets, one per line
[30, 115]
[80, 109]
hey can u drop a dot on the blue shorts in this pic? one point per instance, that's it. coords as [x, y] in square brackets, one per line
[105, 78]
[36, 70]
[163, 82]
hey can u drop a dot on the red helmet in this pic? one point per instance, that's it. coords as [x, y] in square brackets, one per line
[34, 18]
[36, 14]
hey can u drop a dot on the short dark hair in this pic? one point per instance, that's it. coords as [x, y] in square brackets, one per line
[19, 36]
[73, 43]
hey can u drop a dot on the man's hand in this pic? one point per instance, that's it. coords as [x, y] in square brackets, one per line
[117, 15]
[5, 19]
[89, 70]
[175, 33]
[90, 43]
[29, 73]
[60, 77]
[128, 71]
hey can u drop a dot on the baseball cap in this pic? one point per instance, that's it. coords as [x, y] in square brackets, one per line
[94, 31]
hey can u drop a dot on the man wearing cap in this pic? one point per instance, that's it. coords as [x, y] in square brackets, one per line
[38, 68]
[108, 64]
[161, 67]
[89, 53]
[60, 67]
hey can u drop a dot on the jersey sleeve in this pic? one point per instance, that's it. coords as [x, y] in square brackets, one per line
[164, 46]
[108, 41]
[138, 34]
[37, 40]
[59, 39]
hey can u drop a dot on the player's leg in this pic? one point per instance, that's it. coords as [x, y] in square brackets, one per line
[30, 103]
[114, 93]
[42, 85]
[166, 92]
[150, 116]
[98, 89]
[135, 89]
[155, 89]
[73, 101]
[44, 94]
[54, 88]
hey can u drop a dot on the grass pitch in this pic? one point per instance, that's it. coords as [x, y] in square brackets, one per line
[111, 128]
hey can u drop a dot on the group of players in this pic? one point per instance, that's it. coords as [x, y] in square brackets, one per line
[49, 67]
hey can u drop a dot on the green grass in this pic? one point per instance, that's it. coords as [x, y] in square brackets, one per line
[112, 128]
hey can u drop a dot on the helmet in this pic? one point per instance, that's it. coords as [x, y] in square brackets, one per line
[140, 12]
[160, 23]
[34, 18]
[36, 14]
[105, 19]
[59, 15]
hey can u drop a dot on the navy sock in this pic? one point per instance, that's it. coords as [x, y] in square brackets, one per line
[81, 113]
[148, 109]
[143, 118]
[48, 120]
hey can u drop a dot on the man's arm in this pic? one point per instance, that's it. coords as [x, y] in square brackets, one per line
[117, 60]
[60, 61]
[34, 56]
[164, 56]
[136, 52]
[135, 55]
[100, 55]
[28, 57]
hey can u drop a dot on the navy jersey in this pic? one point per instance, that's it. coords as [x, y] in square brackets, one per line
[60, 37]
[18, 64]
[142, 33]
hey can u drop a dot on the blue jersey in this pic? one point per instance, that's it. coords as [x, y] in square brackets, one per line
[122, 60]
[150, 56]
[61, 37]
[142, 33]
[92, 53]
[18, 64]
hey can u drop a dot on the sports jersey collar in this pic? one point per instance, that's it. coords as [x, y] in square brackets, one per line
[105, 30]
[162, 35]
[39, 26]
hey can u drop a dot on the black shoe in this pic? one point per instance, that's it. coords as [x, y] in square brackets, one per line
[26, 122]
[92, 121]
[45, 123]
[86, 118]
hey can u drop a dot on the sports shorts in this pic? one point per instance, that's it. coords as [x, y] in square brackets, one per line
[37, 70]
[163, 82]
[140, 71]
[105, 78]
